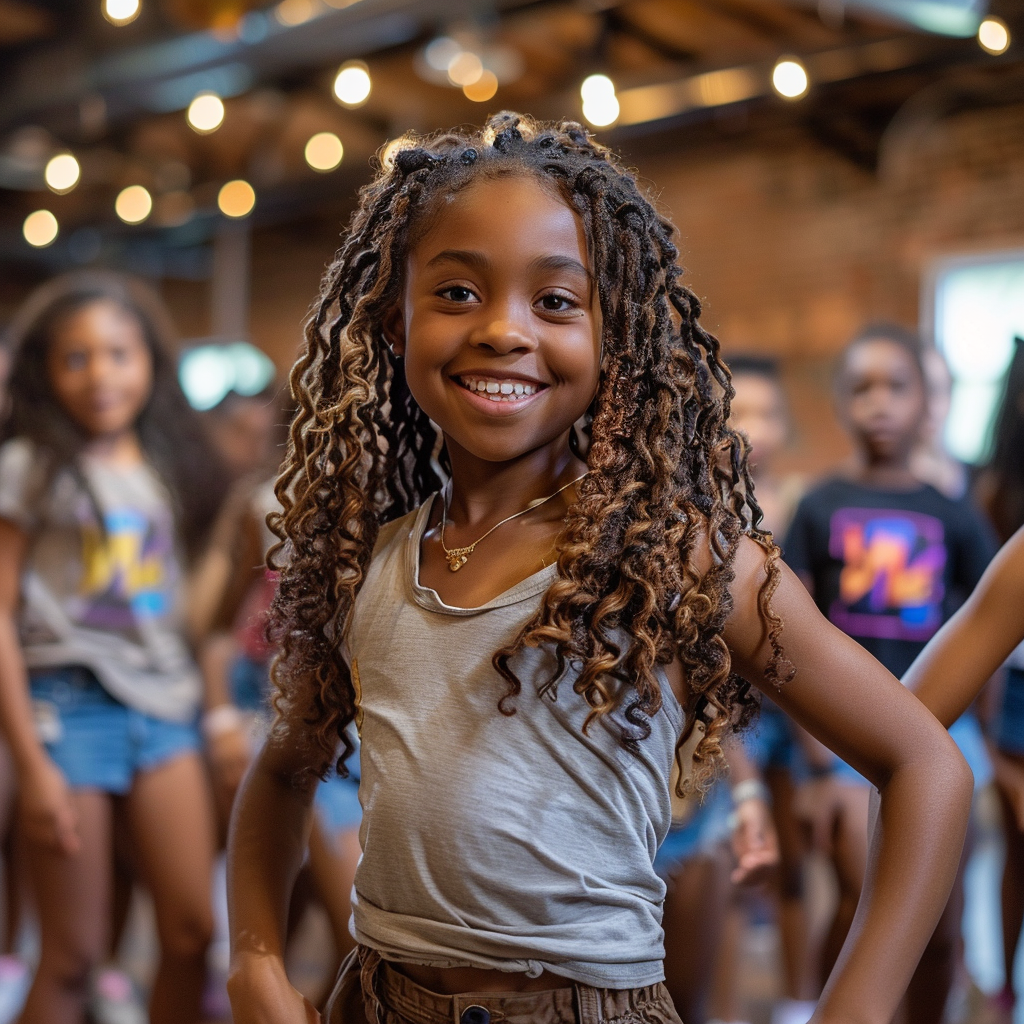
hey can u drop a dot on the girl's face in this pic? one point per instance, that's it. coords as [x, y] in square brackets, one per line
[499, 323]
[100, 368]
[884, 398]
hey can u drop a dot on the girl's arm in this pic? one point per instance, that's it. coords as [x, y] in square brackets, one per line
[47, 813]
[951, 671]
[269, 832]
[845, 698]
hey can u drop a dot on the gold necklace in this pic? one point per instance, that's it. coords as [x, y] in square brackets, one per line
[458, 557]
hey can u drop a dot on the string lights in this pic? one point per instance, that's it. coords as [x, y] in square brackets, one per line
[600, 104]
[62, 173]
[40, 229]
[133, 204]
[324, 151]
[205, 113]
[236, 199]
[352, 84]
[121, 12]
[789, 78]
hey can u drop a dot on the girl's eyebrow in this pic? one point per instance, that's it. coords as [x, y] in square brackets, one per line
[466, 256]
[479, 261]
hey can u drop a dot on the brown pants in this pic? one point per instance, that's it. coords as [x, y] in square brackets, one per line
[368, 991]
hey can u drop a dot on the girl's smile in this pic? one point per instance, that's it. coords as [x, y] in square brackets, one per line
[499, 322]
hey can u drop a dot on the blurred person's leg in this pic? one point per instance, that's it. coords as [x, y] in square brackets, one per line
[789, 887]
[173, 829]
[725, 1001]
[849, 858]
[72, 896]
[695, 910]
[1011, 895]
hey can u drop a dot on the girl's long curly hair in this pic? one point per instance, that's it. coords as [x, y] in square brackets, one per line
[169, 431]
[667, 475]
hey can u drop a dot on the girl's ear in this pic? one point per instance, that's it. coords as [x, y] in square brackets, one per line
[394, 330]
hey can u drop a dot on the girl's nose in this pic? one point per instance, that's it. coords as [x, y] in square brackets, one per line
[503, 336]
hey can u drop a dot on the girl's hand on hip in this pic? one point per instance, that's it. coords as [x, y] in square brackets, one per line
[261, 993]
[47, 811]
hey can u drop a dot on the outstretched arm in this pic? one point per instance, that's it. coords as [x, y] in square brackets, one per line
[951, 671]
[845, 698]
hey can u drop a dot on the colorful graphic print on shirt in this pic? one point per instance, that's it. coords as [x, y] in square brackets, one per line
[127, 570]
[891, 583]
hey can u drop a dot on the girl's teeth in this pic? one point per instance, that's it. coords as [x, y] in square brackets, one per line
[500, 391]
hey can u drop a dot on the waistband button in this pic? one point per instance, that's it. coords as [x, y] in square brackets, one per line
[475, 1015]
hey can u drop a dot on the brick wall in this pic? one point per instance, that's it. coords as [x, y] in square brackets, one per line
[791, 246]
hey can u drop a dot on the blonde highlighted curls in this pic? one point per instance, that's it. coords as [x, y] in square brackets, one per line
[666, 473]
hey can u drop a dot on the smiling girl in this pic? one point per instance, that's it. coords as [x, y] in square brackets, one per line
[533, 608]
[105, 489]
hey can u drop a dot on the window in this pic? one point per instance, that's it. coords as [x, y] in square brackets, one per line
[975, 307]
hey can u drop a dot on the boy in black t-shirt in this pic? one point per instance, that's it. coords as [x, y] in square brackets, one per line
[888, 560]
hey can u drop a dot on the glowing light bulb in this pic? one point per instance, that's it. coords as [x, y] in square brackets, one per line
[352, 84]
[789, 79]
[205, 113]
[324, 151]
[994, 36]
[236, 199]
[40, 229]
[483, 88]
[133, 204]
[600, 104]
[596, 87]
[62, 173]
[121, 12]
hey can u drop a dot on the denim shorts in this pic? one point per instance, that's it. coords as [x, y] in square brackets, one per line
[772, 744]
[337, 799]
[369, 991]
[95, 740]
[699, 836]
[1010, 730]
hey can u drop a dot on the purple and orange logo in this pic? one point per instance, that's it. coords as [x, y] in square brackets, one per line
[891, 584]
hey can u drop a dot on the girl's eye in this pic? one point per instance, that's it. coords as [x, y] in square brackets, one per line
[556, 304]
[457, 293]
[76, 361]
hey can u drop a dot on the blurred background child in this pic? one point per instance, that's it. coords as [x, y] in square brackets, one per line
[888, 559]
[107, 488]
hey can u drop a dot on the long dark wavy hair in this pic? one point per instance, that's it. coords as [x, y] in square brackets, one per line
[667, 476]
[170, 432]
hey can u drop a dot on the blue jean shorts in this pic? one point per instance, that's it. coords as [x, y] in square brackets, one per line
[95, 740]
[698, 837]
[337, 799]
[771, 742]
[1010, 730]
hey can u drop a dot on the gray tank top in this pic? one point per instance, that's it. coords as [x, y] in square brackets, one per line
[515, 843]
